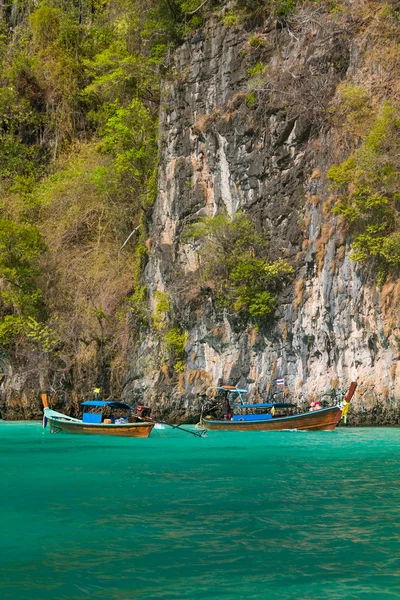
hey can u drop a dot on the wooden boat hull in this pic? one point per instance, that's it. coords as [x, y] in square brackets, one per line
[139, 430]
[325, 419]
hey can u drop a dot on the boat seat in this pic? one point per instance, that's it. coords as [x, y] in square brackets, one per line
[91, 417]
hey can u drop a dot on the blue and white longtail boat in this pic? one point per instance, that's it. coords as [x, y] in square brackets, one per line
[93, 423]
[246, 417]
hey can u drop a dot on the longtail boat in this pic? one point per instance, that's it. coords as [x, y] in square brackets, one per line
[323, 419]
[93, 423]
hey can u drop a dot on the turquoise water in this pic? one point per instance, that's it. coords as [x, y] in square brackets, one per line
[234, 515]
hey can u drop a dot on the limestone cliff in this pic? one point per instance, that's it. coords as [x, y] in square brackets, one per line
[232, 140]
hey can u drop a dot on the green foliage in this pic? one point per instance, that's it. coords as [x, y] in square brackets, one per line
[151, 188]
[87, 219]
[115, 72]
[130, 136]
[234, 261]
[11, 328]
[368, 183]
[45, 24]
[352, 110]
[390, 249]
[179, 366]
[175, 341]
[170, 21]
[20, 247]
[15, 326]
[284, 8]
[354, 97]
[163, 302]
[258, 69]
[20, 126]
[21, 299]
[73, 71]
[79, 99]
[162, 310]
[233, 18]
[256, 41]
[138, 305]
[250, 99]
[18, 160]
[44, 335]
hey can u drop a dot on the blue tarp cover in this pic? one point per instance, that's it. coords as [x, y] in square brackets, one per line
[91, 418]
[252, 417]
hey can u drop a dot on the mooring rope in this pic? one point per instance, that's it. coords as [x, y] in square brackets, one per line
[202, 433]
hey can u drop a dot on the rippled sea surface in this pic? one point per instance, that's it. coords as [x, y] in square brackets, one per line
[279, 515]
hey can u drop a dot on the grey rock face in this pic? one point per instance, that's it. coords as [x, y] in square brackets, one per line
[223, 150]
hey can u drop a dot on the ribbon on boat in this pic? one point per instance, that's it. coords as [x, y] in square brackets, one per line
[345, 409]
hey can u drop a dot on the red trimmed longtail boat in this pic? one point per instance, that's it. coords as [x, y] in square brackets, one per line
[92, 423]
[324, 419]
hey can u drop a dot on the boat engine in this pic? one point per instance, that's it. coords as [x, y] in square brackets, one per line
[143, 411]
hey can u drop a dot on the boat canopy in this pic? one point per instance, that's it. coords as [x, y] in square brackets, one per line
[267, 405]
[110, 403]
[240, 391]
[231, 388]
